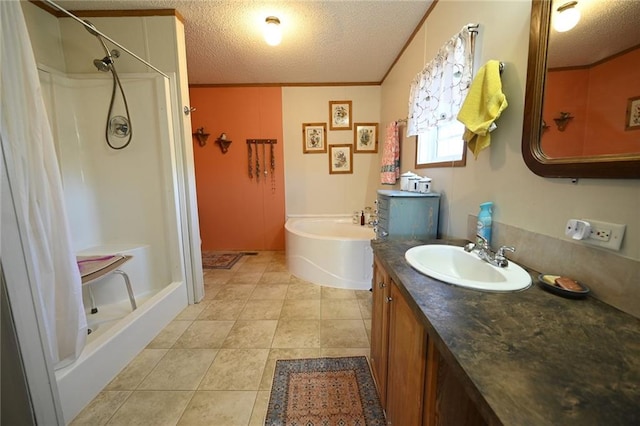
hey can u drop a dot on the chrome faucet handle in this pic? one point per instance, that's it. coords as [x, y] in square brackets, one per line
[500, 259]
[502, 249]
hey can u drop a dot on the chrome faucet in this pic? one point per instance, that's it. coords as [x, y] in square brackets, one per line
[484, 252]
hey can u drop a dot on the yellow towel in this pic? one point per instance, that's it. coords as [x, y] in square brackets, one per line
[482, 106]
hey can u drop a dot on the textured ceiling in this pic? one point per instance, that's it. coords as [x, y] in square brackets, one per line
[322, 42]
[606, 27]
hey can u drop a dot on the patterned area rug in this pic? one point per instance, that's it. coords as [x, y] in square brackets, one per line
[211, 260]
[324, 392]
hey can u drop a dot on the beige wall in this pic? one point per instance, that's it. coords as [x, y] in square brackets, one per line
[522, 199]
[310, 189]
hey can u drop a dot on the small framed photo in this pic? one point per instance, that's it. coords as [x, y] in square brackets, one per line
[340, 159]
[340, 115]
[365, 137]
[633, 114]
[314, 138]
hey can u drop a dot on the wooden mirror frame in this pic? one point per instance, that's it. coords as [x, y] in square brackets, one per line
[602, 166]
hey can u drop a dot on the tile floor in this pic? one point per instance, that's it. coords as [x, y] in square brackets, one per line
[214, 363]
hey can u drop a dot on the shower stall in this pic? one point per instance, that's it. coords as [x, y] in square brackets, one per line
[121, 157]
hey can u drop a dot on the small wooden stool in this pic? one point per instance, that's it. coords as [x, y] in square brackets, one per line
[93, 268]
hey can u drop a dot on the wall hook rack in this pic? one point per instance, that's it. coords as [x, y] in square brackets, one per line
[563, 120]
[201, 136]
[223, 142]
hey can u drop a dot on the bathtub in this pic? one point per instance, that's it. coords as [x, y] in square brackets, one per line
[330, 251]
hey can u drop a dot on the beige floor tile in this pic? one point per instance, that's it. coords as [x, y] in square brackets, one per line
[367, 327]
[278, 353]
[300, 309]
[210, 291]
[342, 352]
[363, 294]
[254, 267]
[303, 290]
[337, 293]
[222, 310]
[135, 372]
[219, 408]
[169, 335]
[191, 312]
[255, 334]
[270, 291]
[261, 310]
[101, 409]
[343, 334]
[275, 278]
[217, 276]
[158, 408]
[260, 407]
[276, 267]
[236, 369]
[340, 309]
[204, 335]
[297, 334]
[245, 278]
[366, 306]
[235, 292]
[180, 369]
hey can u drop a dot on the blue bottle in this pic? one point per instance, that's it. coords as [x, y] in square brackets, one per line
[484, 222]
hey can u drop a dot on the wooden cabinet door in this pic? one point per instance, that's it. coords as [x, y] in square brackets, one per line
[452, 404]
[406, 366]
[380, 329]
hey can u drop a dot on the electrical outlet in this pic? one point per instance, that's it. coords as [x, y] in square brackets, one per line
[605, 235]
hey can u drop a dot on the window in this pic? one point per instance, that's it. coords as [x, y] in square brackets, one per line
[442, 146]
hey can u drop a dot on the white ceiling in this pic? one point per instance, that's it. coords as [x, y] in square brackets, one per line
[323, 41]
[606, 27]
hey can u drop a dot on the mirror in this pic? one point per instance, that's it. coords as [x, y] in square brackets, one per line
[539, 123]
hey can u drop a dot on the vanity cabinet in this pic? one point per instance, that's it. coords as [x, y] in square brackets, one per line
[415, 383]
[380, 328]
[407, 215]
[406, 363]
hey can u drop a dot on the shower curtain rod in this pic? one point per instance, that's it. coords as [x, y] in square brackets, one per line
[63, 10]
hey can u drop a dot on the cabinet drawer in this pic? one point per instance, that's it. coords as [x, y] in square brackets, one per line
[383, 203]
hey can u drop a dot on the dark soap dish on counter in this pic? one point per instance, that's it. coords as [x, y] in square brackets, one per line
[563, 286]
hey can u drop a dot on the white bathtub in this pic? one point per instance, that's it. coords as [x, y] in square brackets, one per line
[330, 251]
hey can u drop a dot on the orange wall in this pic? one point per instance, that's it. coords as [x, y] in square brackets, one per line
[597, 98]
[236, 212]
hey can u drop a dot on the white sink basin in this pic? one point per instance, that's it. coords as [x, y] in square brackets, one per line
[453, 265]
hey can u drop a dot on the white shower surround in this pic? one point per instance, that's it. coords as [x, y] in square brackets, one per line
[118, 202]
[330, 251]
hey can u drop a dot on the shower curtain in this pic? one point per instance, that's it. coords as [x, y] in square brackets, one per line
[36, 187]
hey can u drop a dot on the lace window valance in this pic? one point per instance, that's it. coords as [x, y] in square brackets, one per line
[438, 91]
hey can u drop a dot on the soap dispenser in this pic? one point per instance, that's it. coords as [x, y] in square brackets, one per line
[484, 223]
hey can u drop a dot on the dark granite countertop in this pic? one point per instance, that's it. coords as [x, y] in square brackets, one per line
[528, 357]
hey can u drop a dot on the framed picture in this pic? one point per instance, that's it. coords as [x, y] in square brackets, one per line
[633, 114]
[365, 137]
[340, 159]
[340, 115]
[314, 138]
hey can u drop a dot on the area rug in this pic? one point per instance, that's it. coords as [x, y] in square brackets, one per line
[324, 392]
[211, 260]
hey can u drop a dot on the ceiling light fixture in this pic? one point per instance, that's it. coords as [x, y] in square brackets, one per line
[272, 33]
[567, 17]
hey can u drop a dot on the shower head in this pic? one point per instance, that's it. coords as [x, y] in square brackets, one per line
[103, 64]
